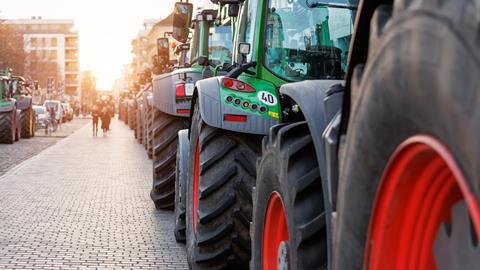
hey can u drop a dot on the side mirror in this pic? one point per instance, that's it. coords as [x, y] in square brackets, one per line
[163, 51]
[244, 48]
[233, 10]
[182, 18]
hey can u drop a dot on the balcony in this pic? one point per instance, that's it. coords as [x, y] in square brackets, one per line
[71, 82]
[72, 45]
[71, 70]
[71, 57]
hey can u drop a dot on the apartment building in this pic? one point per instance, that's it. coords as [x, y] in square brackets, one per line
[51, 49]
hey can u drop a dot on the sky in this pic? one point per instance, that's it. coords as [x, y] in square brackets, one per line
[105, 27]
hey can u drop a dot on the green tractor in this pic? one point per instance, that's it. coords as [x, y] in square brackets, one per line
[276, 42]
[210, 48]
[23, 94]
[10, 116]
[378, 171]
[181, 53]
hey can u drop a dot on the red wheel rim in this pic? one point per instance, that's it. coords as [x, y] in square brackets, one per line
[418, 189]
[196, 180]
[274, 232]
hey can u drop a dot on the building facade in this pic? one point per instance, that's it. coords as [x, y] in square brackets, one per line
[51, 50]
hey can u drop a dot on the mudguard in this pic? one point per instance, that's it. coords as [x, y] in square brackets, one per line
[7, 106]
[182, 161]
[213, 109]
[164, 91]
[148, 98]
[320, 102]
[24, 102]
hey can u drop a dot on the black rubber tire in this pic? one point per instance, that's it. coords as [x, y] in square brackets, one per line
[150, 133]
[139, 125]
[27, 121]
[421, 77]
[289, 167]
[145, 125]
[165, 139]
[132, 116]
[181, 175]
[18, 127]
[227, 175]
[7, 127]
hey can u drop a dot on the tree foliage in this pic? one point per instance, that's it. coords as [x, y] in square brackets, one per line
[11, 48]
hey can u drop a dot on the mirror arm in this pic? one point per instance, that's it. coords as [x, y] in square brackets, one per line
[241, 69]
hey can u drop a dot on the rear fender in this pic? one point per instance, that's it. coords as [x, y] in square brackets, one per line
[7, 106]
[24, 102]
[320, 102]
[213, 110]
[182, 157]
[164, 92]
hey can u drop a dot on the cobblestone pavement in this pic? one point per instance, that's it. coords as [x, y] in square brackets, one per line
[13, 154]
[84, 203]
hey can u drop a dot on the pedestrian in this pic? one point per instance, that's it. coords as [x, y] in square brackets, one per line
[105, 119]
[95, 115]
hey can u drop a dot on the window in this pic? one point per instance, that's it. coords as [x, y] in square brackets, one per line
[33, 42]
[220, 44]
[52, 55]
[246, 29]
[313, 47]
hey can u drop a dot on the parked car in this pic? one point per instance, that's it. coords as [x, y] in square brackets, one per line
[41, 116]
[57, 105]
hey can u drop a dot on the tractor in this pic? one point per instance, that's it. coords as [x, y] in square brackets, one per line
[378, 170]
[210, 47]
[10, 116]
[232, 113]
[22, 93]
[181, 52]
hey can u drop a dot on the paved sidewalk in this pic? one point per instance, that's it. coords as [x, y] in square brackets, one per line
[13, 154]
[84, 203]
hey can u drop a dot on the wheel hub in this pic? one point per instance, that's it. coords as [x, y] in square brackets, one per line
[275, 235]
[418, 189]
[283, 256]
[456, 245]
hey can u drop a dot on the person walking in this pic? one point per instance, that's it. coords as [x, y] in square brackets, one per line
[105, 119]
[95, 115]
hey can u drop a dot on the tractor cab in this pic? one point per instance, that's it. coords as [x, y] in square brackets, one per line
[293, 49]
[5, 84]
[20, 86]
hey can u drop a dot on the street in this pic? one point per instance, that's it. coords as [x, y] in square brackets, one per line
[84, 203]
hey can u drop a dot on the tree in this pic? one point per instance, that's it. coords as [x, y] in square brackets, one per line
[12, 53]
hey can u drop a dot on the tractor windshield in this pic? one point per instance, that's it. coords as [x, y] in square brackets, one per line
[220, 45]
[308, 39]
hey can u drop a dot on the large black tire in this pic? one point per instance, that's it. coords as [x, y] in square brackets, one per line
[421, 77]
[139, 125]
[289, 167]
[226, 161]
[181, 175]
[7, 127]
[165, 140]
[28, 120]
[149, 140]
[132, 117]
